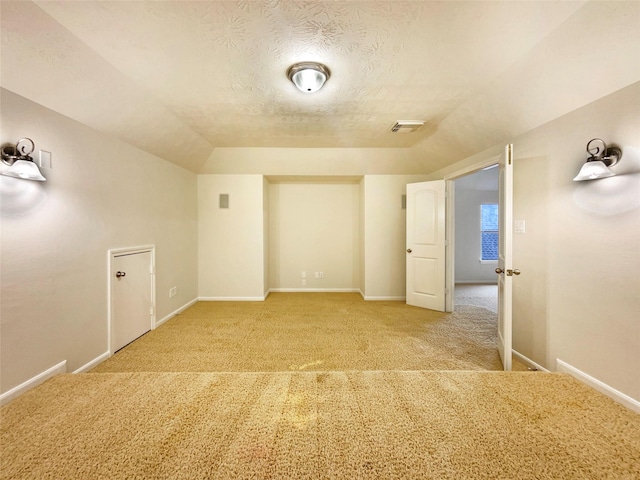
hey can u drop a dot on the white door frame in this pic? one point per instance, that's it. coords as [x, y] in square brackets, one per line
[450, 220]
[116, 252]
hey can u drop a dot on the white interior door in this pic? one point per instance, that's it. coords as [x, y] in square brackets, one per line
[426, 245]
[131, 297]
[505, 269]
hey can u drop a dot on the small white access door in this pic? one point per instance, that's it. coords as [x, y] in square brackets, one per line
[505, 268]
[132, 296]
[426, 245]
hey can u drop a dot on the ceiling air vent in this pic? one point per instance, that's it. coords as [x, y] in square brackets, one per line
[407, 126]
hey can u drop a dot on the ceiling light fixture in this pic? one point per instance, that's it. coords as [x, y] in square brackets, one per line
[20, 163]
[599, 159]
[309, 77]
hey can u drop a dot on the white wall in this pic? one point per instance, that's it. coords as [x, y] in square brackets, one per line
[314, 227]
[231, 242]
[470, 192]
[385, 236]
[100, 194]
[578, 298]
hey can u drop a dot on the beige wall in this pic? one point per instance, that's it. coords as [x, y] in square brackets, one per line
[313, 161]
[578, 298]
[352, 232]
[101, 194]
[314, 227]
[231, 242]
[385, 235]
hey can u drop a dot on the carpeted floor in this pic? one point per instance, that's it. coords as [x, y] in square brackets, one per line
[477, 294]
[316, 386]
[311, 331]
[318, 425]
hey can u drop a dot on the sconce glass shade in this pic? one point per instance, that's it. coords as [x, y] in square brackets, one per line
[25, 169]
[593, 170]
[309, 77]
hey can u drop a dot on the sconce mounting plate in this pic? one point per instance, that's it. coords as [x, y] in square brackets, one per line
[607, 155]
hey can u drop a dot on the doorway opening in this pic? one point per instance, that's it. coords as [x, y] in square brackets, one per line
[475, 228]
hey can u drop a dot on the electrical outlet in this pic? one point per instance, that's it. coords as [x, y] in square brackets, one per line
[321, 274]
[303, 275]
[173, 291]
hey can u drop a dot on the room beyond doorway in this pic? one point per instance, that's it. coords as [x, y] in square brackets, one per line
[478, 295]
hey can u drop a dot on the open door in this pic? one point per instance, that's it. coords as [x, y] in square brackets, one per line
[426, 245]
[505, 268]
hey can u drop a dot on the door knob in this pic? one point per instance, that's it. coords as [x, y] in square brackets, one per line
[408, 250]
[120, 274]
[509, 272]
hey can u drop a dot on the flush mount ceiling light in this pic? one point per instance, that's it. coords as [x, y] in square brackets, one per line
[20, 163]
[309, 77]
[599, 159]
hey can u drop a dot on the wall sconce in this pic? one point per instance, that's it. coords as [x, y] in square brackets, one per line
[309, 77]
[598, 162]
[19, 160]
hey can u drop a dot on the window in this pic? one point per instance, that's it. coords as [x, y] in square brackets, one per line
[489, 231]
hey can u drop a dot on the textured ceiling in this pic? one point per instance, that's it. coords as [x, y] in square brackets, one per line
[181, 78]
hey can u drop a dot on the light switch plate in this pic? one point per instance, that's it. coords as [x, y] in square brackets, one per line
[45, 159]
[519, 226]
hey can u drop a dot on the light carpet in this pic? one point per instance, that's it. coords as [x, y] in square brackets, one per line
[318, 425]
[311, 331]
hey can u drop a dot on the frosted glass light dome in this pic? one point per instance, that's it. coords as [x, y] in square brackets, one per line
[309, 77]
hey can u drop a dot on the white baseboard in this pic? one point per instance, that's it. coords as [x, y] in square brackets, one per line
[315, 290]
[175, 312]
[527, 361]
[602, 387]
[88, 366]
[15, 392]
[376, 299]
[283, 290]
[231, 299]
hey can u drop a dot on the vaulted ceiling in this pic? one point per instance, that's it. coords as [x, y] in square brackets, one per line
[180, 79]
